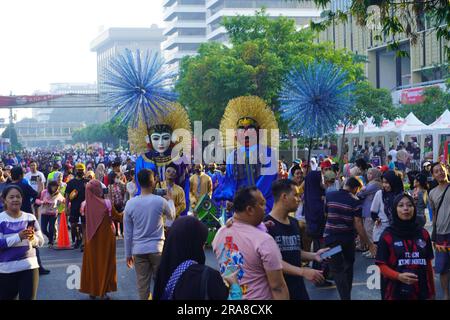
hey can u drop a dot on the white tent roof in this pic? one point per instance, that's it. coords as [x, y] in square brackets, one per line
[443, 122]
[412, 125]
[370, 129]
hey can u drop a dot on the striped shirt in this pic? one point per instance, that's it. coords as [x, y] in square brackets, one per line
[18, 255]
[342, 208]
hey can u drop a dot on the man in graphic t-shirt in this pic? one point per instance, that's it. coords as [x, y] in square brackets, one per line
[286, 232]
[250, 252]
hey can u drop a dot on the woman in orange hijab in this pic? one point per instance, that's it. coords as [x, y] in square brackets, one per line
[98, 274]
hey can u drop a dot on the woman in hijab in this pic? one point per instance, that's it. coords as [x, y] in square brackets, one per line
[405, 254]
[98, 274]
[182, 273]
[100, 172]
[382, 204]
[367, 195]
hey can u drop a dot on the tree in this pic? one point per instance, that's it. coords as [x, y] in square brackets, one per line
[435, 103]
[10, 133]
[263, 51]
[107, 133]
[395, 17]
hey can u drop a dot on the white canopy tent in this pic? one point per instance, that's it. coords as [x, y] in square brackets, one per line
[399, 128]
[437, 128]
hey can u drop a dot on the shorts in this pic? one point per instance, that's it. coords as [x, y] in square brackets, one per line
[75, 218]
[442, 259]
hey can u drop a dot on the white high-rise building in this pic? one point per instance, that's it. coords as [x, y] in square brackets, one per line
[189, 23]
[301, 11]
[114, 41]
[185, 28]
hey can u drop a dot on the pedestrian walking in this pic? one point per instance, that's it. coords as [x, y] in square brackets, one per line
[20, 235]
[98, 274]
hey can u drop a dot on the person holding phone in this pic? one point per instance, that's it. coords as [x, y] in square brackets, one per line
[404, 255]
[19, 270]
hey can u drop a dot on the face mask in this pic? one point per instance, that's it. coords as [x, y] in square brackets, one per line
[80, 174]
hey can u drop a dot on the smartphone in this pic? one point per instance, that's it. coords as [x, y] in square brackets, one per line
[30, 224]
[331, 252]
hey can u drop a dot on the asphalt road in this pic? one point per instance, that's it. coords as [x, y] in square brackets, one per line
[65, 266]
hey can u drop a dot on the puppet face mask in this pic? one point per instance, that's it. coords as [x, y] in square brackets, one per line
[160, 141]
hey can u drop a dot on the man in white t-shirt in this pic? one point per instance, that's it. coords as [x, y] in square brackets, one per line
[35, 177]
[393, 153]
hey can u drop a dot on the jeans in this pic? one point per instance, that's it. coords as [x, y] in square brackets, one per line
[48, 227]
[341, 267]
[22, 285]
[146, 266]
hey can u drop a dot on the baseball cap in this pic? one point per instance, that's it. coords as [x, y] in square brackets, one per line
[325, 164]
[384, 168]
[80, 166]
[427, 163]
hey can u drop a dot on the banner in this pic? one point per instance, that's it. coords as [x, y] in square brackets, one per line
[414, 95]
[10, 101]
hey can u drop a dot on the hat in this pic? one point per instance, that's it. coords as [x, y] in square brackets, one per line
[80, 166]
[9, 167]
[384, 168]
[90, 173]
[329, 176]
[427, 163]
[325, 164]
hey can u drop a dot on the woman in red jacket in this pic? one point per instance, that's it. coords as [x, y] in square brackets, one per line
[404, 255]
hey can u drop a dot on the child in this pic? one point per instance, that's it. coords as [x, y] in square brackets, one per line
[391, 164]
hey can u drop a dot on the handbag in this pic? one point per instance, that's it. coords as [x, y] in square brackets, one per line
[176, 275]
[433, 233]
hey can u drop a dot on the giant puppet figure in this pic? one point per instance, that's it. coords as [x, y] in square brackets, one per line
[140, 88]
[162, 144]
[250, 161]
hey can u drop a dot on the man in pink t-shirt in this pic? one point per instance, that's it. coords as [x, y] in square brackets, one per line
[252, 253]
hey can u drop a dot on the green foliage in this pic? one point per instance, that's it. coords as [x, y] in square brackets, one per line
[108, 133]
[10, 133]
[408, 17]
[263, 51]
[372, 102]
[435, 103]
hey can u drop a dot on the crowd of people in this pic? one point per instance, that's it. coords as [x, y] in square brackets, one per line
[318, 207]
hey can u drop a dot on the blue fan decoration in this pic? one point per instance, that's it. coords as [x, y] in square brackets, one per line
[138, 85]
[315, 97]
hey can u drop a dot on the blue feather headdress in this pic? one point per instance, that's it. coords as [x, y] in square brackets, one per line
[315, 97]
[137, 86]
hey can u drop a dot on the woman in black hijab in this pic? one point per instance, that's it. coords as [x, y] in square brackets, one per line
[389, 194]
[182, 273]
[404, 255]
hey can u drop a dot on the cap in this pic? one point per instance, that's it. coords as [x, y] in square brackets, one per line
[329, 176]
[90, 173]
[9, 167]
[80, 166]
[427, 163]
[384, 168]
[325, 164]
